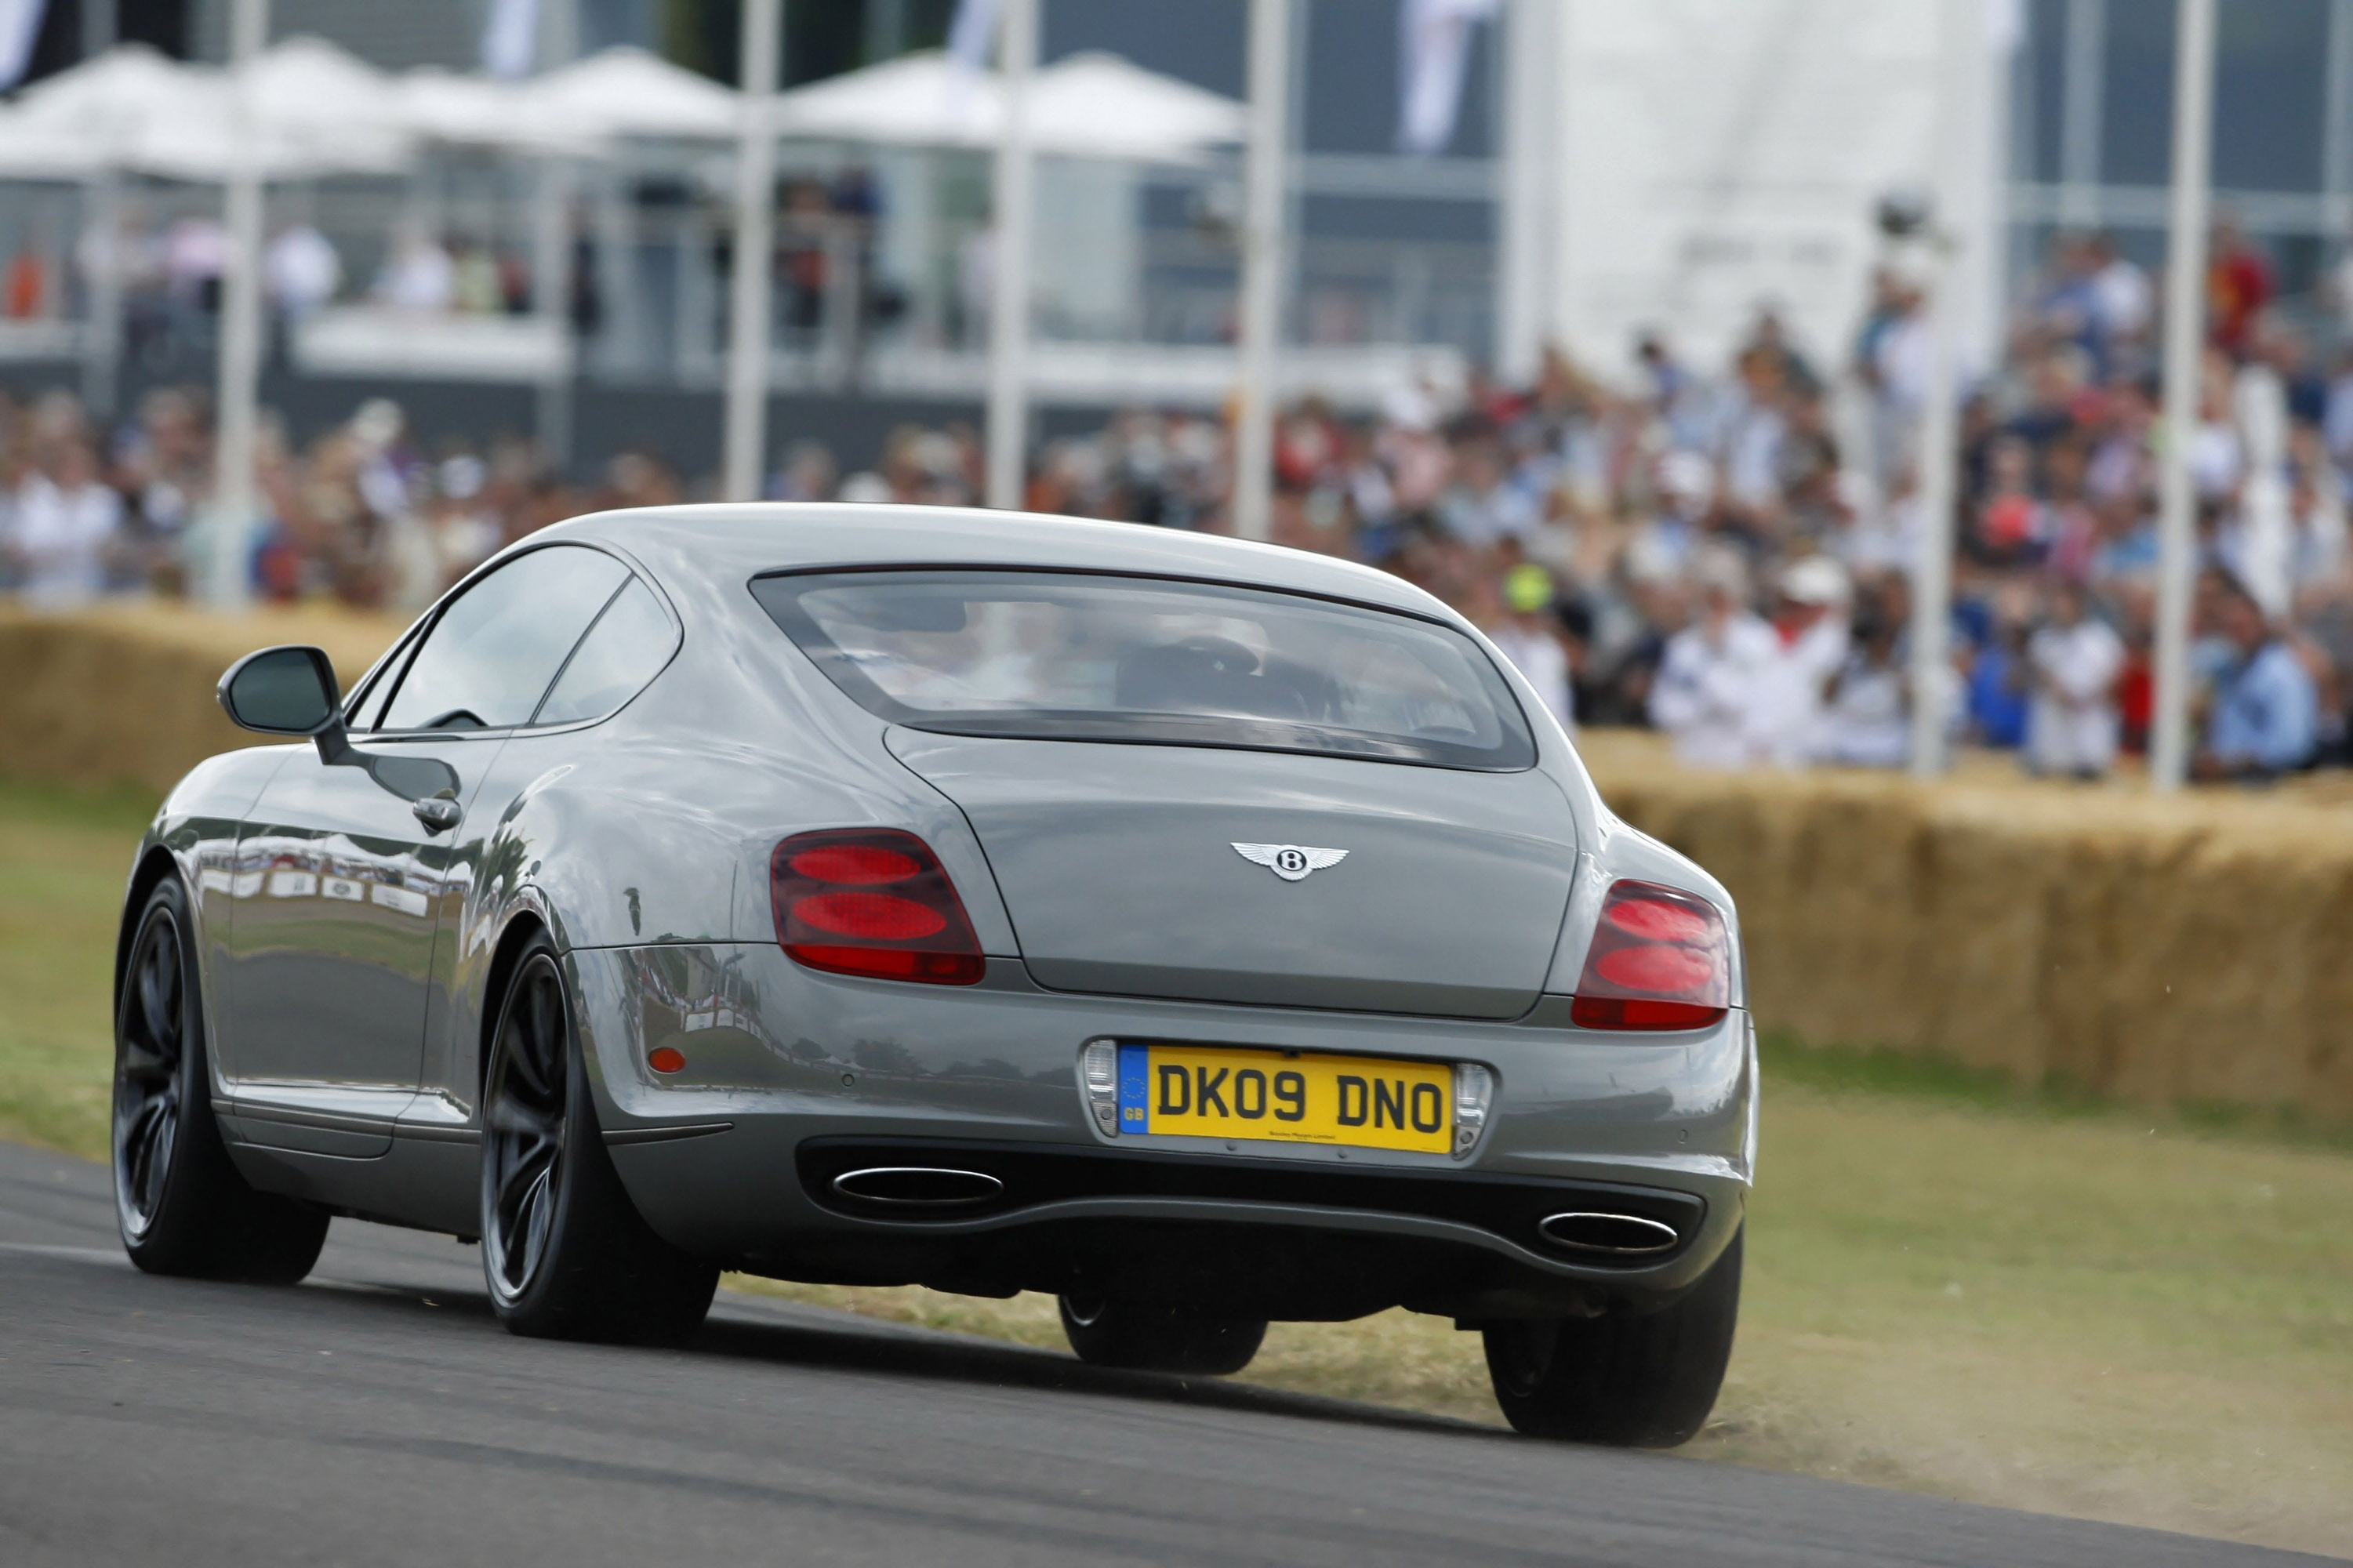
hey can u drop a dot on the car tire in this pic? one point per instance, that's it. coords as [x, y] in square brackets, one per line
[1145, 1337]
[565, 1252]
[179, 1202]
[1641, 1379]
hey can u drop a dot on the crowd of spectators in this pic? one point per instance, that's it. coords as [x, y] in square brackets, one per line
[1724, 556]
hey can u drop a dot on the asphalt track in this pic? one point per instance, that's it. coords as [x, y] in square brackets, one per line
[379, 1414]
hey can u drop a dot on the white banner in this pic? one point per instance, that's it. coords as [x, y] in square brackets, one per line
[1719, 156]
[511, 38]
[972, 35]
[20, 29]
[1433, 54]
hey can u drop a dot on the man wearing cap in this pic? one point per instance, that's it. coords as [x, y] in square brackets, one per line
[1811, 641]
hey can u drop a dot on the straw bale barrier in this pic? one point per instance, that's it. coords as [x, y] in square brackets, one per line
[2162, 951]
[124, 695]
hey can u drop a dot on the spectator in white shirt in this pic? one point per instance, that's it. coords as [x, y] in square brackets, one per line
[66, 525]
[1810, 646]
[1706, 687]
[2072, 661]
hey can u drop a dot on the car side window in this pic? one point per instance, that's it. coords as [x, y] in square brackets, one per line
[367, 710]
[627, 648]
[490, 656]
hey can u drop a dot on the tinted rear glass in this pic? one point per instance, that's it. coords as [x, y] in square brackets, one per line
[1074, 656]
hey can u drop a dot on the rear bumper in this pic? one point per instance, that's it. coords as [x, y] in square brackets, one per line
[790, 1074]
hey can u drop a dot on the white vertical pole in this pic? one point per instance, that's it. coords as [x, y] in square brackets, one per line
[102, 217]
[752, 260]
[2336, 120]
[1960, 39]
[102, 351]
[551, 288]
[1008, 308]
[2185, 345]
[1522, 281]
[1263, 181]
[240, 391]
[2081, 84]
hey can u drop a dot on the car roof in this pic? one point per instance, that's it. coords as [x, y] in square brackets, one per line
[743, 541]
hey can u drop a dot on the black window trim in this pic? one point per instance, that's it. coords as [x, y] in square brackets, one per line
[393, 666]
[1535, 733]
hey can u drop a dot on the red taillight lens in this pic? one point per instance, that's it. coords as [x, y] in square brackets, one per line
[871, 901]
[855, 865]
[872, 916]
[1659, 959]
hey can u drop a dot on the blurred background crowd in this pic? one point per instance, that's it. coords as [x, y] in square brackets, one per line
[1720, 551]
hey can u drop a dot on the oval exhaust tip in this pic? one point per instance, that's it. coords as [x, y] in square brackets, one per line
[924, 1186]
[1611, 1235]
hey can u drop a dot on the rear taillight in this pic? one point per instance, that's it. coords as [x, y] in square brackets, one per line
[871, 901]
[1659, 959]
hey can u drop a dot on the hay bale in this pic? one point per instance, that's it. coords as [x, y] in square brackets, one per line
[123, 695]
[2177, 950]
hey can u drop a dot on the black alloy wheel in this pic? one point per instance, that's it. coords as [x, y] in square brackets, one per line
[525, 1130]
[565, 1252]
[179, 1202]
[150, 1044]
[1147, 1337]
[1643, 1380]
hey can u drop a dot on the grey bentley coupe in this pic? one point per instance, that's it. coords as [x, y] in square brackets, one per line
[1201, 932]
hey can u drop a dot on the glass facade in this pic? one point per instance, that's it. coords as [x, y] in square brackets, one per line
[2091, 128]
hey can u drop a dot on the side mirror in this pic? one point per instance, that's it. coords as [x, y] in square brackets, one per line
[282, 691]
[289, 691]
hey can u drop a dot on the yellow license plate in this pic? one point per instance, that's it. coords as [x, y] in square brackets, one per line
[1215, 1092]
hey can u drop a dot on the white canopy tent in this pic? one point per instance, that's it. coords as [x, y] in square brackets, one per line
[446, 107]
[626, 92]
[1089, 105]
[315, 109]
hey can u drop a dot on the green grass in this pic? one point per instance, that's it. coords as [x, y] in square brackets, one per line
[1954, 1285]
[64, 857]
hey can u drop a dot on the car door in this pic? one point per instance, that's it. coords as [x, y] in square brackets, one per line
[354, 861]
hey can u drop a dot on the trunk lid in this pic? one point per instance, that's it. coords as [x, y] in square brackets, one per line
[1117, 865]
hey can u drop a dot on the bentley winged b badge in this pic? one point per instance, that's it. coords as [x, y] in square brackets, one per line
[1291, 862]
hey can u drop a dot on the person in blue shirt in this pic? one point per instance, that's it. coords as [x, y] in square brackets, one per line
[1997, 686]
[2265, 714]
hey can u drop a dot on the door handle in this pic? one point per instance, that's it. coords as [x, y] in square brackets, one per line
[438, 813]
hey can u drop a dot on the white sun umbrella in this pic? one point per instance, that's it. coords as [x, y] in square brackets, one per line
[1100, 105]
[1089, 105]
[317, 110]
[31, 150]
[87, 117]
[629, 92]
[921, 99]
[471, 109]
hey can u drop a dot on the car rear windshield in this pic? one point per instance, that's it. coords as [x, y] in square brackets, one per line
[1058, 656]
